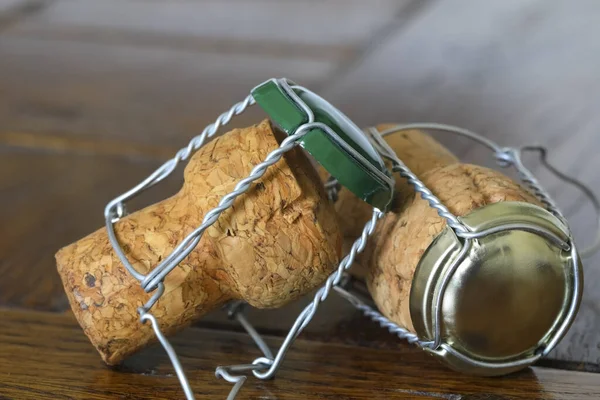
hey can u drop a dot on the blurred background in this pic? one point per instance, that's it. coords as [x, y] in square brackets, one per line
[96, 94]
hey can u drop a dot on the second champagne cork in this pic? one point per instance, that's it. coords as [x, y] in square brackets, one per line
[489, 295]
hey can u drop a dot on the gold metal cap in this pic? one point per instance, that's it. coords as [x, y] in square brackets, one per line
[509, 301]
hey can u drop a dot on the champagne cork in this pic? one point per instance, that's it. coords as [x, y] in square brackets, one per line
[491, 301]
[278, 241]
[401, 238]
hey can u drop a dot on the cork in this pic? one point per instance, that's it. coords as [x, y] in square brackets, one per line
[420, 153]
[402, 238]
[277, 242]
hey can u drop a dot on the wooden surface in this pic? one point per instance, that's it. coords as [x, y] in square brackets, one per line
[54, 367]
[95, 95]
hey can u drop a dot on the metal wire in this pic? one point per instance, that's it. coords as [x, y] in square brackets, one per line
[235, 310]
[153, 281]
[512, 157]
[539, 191]
[190, 242]
[405, 172]
[242, 187]
[185, 385]
[115, 209]
[371, 313]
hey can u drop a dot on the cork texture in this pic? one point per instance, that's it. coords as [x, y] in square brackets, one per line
[277, 242]
[421, 153]
[401, 238]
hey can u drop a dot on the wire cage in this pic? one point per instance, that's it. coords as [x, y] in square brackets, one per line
[355, 159]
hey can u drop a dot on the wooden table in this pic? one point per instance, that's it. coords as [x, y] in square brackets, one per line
[95, 95]
[45, 355]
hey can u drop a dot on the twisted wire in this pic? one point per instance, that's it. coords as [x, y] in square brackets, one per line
[334, 279]
[511, 156]
[190, 242]
[377, 317]
[398, 166]
[236, 310]
[238, 380]
[115, 209]
[332, 187]
[183, 154]
[209, 131]
[428, 196]
[309, 311]
[533, 184]
[153, 280]
[385, 323]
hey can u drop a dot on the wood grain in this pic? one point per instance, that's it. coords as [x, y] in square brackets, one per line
[50, 199]
[141, 95]
[252, 20]
[312, 370]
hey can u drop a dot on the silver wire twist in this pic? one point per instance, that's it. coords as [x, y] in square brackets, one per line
[190, 242]
[375, 316]
[508, 156]
[242, 187]
[115, 209]
[411, 178]
[594, 247]
[235, 310]
[427, 195]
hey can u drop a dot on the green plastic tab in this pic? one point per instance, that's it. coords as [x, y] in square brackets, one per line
[351, 158]
[279, 106]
